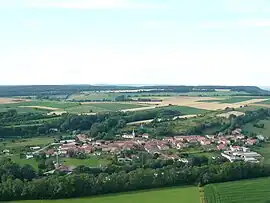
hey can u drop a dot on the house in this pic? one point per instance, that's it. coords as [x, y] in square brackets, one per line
[179, 145]
[205, 142]
[126, 136]
[29, 156]
[251, 141]
[87, 149]
[237, 131]
[145, 136]
[35, 148]
[6, 151]
[162, 146]
[221, 147]
[82, 138]
[67, 141]
[235, 148]
[260, 137]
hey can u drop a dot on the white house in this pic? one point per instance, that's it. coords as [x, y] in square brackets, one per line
[29, 156]
[35, 148]
[67, 141]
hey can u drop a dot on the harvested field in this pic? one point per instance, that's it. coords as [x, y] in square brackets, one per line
[227, 114]
[41, 107]
[11, 100]
[198, 102]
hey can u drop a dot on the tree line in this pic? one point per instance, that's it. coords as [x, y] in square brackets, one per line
[21, 183]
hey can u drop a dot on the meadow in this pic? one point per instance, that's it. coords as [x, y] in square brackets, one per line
[171, 195]
[250, 128]
[248, 191]
[35, 141]
[92, 161]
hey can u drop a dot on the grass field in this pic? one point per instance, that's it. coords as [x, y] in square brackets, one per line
[186, 110]
[263, 131]
[92, 161]
[35, 141]
[102, 107]
[246, 191]
[265, 152]
[170, 195]
[24, 161]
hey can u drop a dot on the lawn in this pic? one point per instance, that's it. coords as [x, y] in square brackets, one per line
[91, 162]
[248, 191]
[249, 128]
[170, 195]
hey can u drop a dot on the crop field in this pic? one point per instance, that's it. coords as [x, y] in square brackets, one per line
[263, 131]
[170, 195]
[265, 102]
[90, 162]
[88, 107]
[93, 96]
[248, 191]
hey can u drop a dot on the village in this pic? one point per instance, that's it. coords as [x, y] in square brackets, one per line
[234, 147]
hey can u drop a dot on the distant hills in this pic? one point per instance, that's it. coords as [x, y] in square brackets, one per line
[45, 90]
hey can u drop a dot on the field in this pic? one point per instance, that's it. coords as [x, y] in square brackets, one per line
[265, 152]
[92, 161]
[35, 141]
[170, 195]
[263, 131]
[227, 114]
[248, 191]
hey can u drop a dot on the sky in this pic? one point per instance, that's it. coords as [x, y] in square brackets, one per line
[179, 42]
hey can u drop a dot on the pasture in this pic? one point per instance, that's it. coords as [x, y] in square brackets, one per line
[35, 141]
[265, 131]
[248, 191]
[92, 161]
[171, 195]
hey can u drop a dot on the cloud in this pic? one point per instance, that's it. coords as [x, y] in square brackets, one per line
[79, 4]
[245, 23]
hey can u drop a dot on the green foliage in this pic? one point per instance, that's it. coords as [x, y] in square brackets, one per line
[240, 191]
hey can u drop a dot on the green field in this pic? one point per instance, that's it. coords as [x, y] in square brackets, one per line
[263, 131]
[246, 191]
[185, 110]
[24, 161]
[265, 152]
[91, 162]
[93, 96]
[25, 107]
[102, 107]
[170, 195]
[35, 141]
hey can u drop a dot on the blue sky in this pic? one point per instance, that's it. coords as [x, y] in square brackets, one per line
[195, 42]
